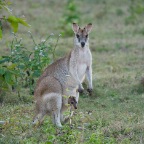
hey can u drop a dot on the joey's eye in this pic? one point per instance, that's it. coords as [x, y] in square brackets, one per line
[77, 36]
[72, 102]
[86, 36]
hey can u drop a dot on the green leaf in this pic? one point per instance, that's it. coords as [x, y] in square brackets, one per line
[2, 71]
[14, 25]
[12, 19]
[4, 60]
[36, 73]
[8, 77]
[48, 142]
[12, 66]
[14, 22]
[23, 22]
[0, 33]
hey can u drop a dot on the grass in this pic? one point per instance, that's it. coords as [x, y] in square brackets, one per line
[114, 114]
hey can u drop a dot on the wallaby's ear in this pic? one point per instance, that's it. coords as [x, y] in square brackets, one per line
[89, 27]
[75, 27]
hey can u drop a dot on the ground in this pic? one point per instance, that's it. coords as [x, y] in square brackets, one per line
[114, 113]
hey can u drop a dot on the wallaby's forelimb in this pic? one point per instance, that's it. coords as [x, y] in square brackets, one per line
[89, 79]
[73, 69]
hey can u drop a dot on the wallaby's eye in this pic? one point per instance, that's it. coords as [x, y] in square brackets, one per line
[72, 102]
[77, 36]
[86, 36]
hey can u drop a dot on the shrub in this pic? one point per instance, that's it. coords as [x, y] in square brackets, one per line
[22, 66]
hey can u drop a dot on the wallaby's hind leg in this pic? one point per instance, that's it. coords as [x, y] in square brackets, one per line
[57, 118]
[57, 110]
[77, 96]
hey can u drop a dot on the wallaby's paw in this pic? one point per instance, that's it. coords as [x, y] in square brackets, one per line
[90, 91]
[81, 90]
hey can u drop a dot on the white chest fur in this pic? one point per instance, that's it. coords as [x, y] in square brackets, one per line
[85, 60]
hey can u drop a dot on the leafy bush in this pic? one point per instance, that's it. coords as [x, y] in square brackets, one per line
[22, 66]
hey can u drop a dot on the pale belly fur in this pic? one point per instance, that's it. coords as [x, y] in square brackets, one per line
[81, 71]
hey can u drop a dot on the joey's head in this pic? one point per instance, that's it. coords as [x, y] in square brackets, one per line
[72, 101]
[81, 35]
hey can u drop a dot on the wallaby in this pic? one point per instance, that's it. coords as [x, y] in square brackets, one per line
[84, 60]
[62, 78]
[72, 101]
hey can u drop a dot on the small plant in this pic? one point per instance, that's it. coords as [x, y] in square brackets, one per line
[22, 66]
[71, 15]
[98, 138]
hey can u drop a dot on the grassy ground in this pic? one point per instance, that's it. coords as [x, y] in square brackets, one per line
[114, 114]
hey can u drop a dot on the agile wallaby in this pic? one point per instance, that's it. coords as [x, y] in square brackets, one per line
[84, 60]
[64, 77]
[72, 101]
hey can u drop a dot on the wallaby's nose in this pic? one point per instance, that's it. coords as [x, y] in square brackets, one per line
[82, 44]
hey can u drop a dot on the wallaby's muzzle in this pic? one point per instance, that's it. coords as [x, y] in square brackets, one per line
[74, 105]
[82, 44]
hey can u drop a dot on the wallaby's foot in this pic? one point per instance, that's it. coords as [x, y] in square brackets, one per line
[90, 91]
[57, 116]
[59, 125]
[81, 90]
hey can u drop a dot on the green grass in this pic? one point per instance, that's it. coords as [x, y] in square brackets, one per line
[118, 56]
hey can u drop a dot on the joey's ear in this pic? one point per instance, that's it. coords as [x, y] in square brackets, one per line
[75, 27]
[88, 27]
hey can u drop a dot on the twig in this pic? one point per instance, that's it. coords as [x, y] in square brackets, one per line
[32, 38]
[47, 39]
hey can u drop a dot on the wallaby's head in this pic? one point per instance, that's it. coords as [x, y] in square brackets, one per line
[81, 34]
[72, 101]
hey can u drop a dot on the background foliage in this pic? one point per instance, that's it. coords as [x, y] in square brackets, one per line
[11, 19]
